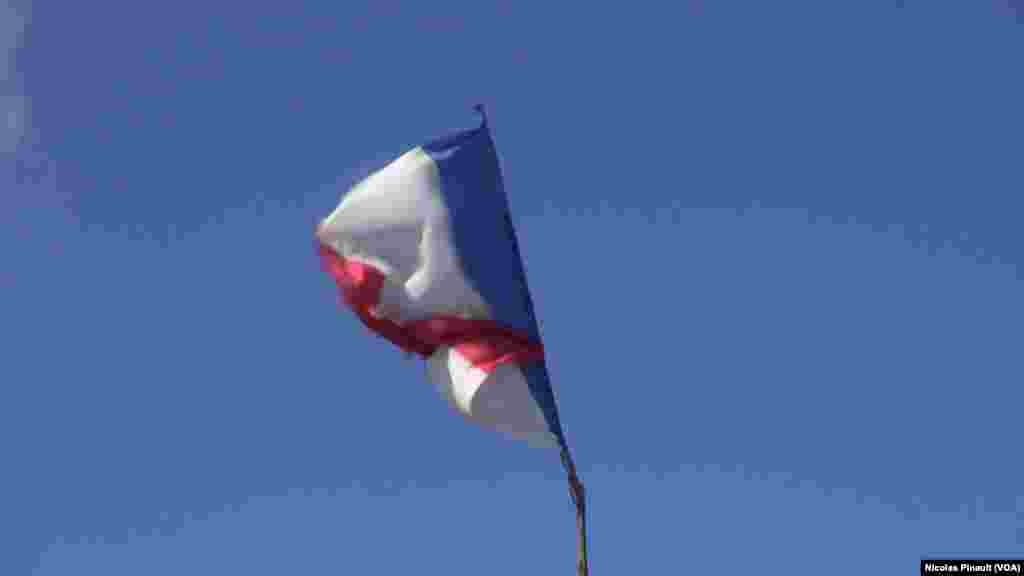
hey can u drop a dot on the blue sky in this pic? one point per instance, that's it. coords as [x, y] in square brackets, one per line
[774, 247]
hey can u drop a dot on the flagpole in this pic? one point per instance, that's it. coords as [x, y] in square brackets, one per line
[576, 490]
[578, 494]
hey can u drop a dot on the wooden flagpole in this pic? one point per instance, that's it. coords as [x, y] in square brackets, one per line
[576, 490]
[578, 494]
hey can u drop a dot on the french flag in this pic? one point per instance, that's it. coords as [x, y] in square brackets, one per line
[424, 253]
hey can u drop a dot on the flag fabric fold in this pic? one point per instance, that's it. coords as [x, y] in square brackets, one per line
[425, 255]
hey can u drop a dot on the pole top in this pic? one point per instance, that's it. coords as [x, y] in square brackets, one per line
[483, 113]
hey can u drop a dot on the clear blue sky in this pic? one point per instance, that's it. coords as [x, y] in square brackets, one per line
[775, 248]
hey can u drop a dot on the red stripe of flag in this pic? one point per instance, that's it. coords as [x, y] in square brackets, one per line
[484, 343]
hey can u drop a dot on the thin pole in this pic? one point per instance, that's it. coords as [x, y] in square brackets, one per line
[578, 494]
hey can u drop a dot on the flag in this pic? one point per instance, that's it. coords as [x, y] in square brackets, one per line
[425, 255]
